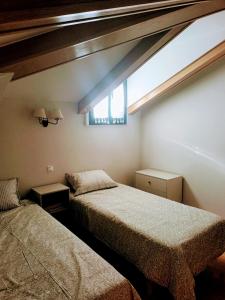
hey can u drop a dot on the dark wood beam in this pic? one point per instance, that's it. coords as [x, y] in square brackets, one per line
[189, 71]
[27, 4]
[66, 44]
[46, 13]
[21, 35]
[77, 41]
[130, 63]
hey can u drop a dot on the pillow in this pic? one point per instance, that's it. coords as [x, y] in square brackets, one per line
[9, 194]
[89, 181]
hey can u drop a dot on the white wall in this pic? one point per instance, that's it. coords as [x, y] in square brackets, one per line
[27, 148]
[184, 132]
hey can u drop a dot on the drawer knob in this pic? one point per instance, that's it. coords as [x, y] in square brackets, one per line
[149, 182]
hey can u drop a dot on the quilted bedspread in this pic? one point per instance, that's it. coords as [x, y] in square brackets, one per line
[167, 241]
[41, 259]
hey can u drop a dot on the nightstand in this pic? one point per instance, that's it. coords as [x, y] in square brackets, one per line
[164, 184]
[54, 198]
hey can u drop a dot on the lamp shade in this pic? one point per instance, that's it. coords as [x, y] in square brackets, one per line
[39, 113]
[55, 114]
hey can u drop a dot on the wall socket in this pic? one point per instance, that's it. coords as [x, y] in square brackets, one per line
[50, 169]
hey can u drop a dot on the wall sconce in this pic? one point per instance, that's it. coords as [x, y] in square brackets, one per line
[44, 117]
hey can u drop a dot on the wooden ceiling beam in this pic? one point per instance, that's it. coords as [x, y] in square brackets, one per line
[130, 63]
[45, 14]
[65, 44]
[69, 43]
[21, 35]
[192, 69]
[27, 4]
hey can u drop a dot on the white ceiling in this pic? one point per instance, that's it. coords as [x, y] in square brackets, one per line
[68, 82]
[197, 39]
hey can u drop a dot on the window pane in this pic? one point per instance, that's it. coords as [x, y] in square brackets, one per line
[117, 102]
[111, 110]
[101, 110]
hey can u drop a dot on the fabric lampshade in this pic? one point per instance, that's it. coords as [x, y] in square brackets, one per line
[39, 113]
[55, 114]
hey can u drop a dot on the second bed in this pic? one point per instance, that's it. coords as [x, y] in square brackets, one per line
[167, 241]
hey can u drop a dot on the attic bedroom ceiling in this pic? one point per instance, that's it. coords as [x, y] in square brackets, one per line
[39, 35]
[69, 30]
[71, 81]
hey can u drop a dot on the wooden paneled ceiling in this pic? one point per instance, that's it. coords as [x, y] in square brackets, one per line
[40, 34]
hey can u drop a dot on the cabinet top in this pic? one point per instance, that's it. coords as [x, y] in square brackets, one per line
[50, 188]
[157, 174]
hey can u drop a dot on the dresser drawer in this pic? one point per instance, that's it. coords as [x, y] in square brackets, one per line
[151, 184]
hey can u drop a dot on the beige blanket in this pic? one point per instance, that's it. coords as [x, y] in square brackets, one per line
[41, 259]
[167, 241]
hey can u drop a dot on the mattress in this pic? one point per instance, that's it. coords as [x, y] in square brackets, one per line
[167, 241]
[41, 259]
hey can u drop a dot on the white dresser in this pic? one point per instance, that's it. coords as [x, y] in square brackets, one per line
[160, 183]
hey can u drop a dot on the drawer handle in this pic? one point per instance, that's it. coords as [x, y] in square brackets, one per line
[149, 182]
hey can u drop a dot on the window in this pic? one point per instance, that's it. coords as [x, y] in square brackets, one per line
[112, 110]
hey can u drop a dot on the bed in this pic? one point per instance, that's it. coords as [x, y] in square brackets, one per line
[167, 241]
[41, 259]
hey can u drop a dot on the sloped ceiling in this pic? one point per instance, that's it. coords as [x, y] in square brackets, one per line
[68, 82]
[188, 46]
[35, 37]
[76, 32]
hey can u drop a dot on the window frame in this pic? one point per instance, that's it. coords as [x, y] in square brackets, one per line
[110, 119]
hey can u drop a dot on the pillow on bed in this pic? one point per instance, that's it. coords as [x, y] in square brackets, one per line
[89, 181]
[9, 194]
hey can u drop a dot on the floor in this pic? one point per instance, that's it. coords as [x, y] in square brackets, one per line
[210, 284]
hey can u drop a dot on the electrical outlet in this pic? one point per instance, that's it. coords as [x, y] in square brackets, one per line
[50, 169]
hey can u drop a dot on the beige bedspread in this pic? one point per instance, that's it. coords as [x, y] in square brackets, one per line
[41, 259]
[167, 241]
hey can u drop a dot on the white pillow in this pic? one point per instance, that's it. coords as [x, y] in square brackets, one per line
[88, 181]
[9, 194]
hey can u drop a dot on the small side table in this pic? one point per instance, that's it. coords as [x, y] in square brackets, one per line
[54, 198]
